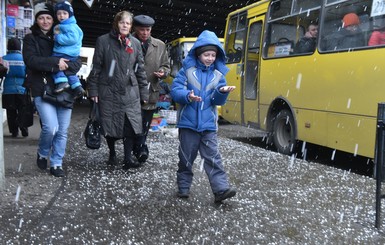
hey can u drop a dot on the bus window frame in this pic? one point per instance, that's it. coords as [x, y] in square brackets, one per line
[278, 49]
[344, 8]
[251, 82]
[235, 53]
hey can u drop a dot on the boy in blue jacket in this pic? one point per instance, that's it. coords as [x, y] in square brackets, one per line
[68, 41]
[198, 88]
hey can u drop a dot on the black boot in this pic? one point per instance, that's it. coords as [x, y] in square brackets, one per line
[112, 159]
[111, 145]
[128, 160]
[24, 132]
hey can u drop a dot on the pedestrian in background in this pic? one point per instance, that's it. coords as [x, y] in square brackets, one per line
[157, 67]
[14, 97]
[40, 64]
[199, 87]
[118, 84]
[3, 69]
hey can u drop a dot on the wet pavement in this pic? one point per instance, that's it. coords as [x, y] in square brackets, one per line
[280, 199]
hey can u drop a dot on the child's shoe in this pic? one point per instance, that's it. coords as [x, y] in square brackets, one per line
[183, 193]
[79, 92]
[60, 87]
[219, 197]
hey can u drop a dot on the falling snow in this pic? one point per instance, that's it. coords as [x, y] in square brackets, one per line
[280, 200]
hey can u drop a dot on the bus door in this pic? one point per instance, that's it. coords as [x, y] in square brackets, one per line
[234, 46]
[250, 100]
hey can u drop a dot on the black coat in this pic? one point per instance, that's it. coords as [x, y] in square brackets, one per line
[119, 81]
[344, 39]
[306, 45]
[37, 51]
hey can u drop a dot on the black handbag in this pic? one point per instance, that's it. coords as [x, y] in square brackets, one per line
[93, 131]
[25, 115]
[65, 99]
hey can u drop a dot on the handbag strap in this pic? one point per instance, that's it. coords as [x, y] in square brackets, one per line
[94, 112]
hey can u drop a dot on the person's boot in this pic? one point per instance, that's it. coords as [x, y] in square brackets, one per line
[112, 158]
[142, 154]
[130, 163]
[128, 160]
[60, 87]
[79, 92]
[24, 132]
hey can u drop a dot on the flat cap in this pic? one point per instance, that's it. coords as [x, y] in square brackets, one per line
[143, 20]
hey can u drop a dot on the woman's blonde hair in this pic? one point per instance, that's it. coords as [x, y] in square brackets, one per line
[119, 16]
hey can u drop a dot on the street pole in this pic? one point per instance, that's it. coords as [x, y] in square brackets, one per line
[379, 160]
[2, 169]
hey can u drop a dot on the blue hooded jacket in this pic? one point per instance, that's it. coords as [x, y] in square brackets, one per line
[68, 41]
[13, 83]
[205, 82]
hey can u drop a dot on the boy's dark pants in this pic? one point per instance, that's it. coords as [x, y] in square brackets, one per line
[206, 143]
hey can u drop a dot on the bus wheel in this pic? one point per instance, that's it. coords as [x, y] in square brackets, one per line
[284, 132]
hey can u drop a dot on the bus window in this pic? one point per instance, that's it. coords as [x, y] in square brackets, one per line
[252, 60]
[174, 59]
[280, 38]
[288, 21]
[346, 25]
[281, 8]
[235, 40]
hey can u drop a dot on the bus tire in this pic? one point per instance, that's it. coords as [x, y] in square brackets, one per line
[284, 132]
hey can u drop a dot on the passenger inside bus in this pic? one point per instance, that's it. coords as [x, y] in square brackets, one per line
[308, 42]
[348, 36]
[378, 35]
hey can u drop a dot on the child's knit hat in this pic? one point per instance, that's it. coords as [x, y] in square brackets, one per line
[202, 49]
[350, 19]
[66, 6]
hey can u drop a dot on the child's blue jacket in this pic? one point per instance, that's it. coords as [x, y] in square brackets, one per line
[206, 82]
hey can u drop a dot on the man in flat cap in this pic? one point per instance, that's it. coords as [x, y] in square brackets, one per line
[157, 67]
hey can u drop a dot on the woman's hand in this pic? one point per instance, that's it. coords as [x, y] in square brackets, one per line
[62, 64]
[94, 99]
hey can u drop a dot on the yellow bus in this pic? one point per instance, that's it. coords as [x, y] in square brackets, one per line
[327, 96]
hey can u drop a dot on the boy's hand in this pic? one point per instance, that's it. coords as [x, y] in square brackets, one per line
[227, 89]
[192, 97]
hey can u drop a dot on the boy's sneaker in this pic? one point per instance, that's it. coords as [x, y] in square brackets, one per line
[219, 197]
[183, 193]
[57, 171]
[41, 162]
[79, 92]
[60, 87]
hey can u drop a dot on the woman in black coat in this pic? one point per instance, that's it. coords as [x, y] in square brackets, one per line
[55, 119]
[118, 84]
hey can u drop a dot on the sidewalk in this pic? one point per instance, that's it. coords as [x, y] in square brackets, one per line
[280, 200]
